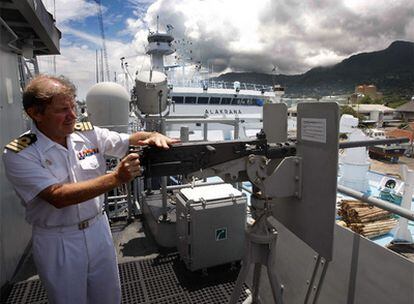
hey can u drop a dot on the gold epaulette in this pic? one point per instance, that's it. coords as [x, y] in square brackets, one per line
[83, 126]
[21, 143]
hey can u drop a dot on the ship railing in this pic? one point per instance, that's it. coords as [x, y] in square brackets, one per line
[125, 200]
[393, 208]
[204, 121]
[222, 85]
[131, 197]
[184, 136]
[121, 201]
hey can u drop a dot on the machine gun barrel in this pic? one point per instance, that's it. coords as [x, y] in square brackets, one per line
[190, 157]
[185, 158]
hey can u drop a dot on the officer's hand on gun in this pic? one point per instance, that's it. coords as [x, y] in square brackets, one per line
[128, 168]
[159, 140]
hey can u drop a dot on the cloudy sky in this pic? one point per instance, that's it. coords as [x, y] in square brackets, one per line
[225, 35]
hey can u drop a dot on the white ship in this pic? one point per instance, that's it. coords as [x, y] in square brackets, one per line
[197, 97]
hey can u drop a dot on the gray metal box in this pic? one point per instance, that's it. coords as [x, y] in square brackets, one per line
[210, 225]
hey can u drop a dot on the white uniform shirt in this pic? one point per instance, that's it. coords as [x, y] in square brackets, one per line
[45, 163]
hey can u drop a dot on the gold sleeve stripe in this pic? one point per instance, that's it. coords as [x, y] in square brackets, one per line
[17, 145]
[21, 143]
[13, 148]
[83, 126]
[88, 126]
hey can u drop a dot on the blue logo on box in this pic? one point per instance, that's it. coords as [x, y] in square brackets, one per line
[221, 234]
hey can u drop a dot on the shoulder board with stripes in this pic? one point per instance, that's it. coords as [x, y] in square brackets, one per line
[21, 143]
[83, 126]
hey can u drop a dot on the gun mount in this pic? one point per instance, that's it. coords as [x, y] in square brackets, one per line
[295, 184]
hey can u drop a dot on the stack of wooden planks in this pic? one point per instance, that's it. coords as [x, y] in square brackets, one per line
[365, 219]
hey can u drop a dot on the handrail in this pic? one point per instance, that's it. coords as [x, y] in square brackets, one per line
[373, 142]
[408, 214]
[222, 85]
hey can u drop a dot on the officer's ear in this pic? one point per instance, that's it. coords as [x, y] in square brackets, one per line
[34, 114]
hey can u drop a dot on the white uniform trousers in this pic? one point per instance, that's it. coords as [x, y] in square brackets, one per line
[78, 266]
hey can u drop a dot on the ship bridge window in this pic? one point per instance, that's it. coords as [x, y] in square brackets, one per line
[178, 99]
[246, 101]
[202, 100]
[226, 101]
[190, 99]
[235, 101]
[214, 100]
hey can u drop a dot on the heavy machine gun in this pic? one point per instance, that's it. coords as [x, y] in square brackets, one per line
[295, 182]
[186, 158]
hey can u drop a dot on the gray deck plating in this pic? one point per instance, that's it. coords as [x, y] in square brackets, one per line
[157, 280]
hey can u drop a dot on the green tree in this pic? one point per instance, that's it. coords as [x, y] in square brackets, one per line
[368, 100]
[396, 103]
[349, 110]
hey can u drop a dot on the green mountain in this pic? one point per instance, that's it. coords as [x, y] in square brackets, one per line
[391, 70]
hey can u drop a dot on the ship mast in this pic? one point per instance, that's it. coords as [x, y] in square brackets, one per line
[159, 45]
[105, 53]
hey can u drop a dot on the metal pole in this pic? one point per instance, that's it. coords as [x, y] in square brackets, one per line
[102, 67]
[106, 205]
[164, 215]
[159, 103]
[22, 72]
[373, 142]
[377, 202]
[236, 128]
[205, 131]
[402, 233]
[129, 201]
[96, 66]
[35, 65]
[176, 187]
[184, 134]
[135, 189]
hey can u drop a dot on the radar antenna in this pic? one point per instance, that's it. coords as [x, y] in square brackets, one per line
[274, 71]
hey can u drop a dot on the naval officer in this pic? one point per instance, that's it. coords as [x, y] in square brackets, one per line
[58, 169]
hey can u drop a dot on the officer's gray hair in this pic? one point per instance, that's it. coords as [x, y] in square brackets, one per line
[40, 91]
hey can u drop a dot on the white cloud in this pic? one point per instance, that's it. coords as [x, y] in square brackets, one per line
[294, 35]
[240, 35]
[78, 57]
[71, 10]
[80, 69]
[78, 62]
[322, 58]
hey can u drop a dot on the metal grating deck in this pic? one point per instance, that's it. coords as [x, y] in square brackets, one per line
[163, 280]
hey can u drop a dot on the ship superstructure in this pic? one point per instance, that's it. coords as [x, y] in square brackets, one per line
[194, 96]
[209, 94]
[27, 30]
